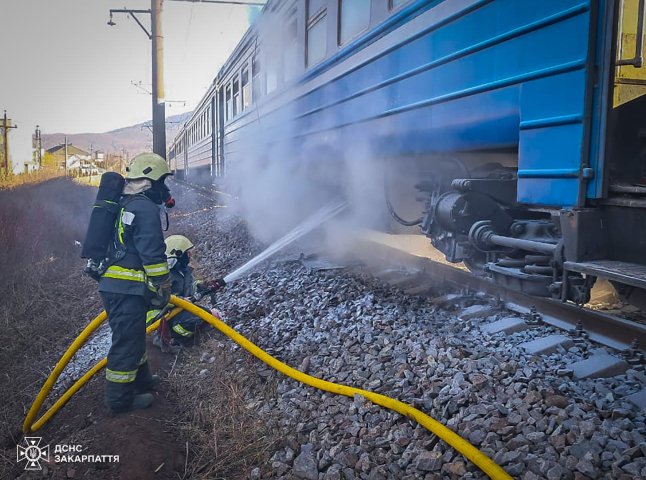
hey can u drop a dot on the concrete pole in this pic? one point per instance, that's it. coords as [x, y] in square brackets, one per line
[159, 106]
[5, 161]
[65, 155]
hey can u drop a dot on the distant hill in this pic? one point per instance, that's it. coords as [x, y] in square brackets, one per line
[135, 139]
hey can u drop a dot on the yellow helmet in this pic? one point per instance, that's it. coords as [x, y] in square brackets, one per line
[177, 245]
[147, 165]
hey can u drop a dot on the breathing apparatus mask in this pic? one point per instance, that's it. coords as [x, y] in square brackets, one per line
[160, 194]
[181, 262]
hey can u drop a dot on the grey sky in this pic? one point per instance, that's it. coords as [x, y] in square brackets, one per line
[64, 68]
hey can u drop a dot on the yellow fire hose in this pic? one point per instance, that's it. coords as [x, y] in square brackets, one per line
[29, 425]
[483, 462]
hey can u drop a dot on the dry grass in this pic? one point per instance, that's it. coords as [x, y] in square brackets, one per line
[218, 412]
[39, 176]
[45, 300]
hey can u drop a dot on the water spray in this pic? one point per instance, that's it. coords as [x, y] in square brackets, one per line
[318, 218]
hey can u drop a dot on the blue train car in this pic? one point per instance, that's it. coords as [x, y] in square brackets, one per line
[505, 113]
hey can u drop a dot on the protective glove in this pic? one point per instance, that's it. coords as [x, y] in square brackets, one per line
[215, 285]
[92, 269]
[161, 293]
[208, 288]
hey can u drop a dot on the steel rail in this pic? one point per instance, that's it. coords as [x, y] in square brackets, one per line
[605, 329]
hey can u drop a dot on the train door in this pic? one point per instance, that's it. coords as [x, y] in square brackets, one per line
[626, 171]
[214, 136]
[185, 155]
[220, 137]
[609, 241]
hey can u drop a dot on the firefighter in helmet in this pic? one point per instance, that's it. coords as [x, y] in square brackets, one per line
[137, 278]
[183, 326]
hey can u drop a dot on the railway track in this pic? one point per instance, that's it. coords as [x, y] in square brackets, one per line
[622, 335]
[605, 329]
[209, 192]
[556, 326]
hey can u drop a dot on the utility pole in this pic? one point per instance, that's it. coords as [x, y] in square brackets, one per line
[6, 125]
[159, 107]
[91, 159]
[124, 156]
[65, 155]
[38, 144]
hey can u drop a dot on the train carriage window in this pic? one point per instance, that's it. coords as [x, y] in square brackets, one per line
[236, 97]
[229, 106]
[290, 48]
[354, 17]
[314, 7]
[316, 32]
[273, 68]
[246, 89]
[256, 77]
[397, 3]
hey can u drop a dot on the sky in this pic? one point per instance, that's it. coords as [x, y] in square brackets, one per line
[63, 68]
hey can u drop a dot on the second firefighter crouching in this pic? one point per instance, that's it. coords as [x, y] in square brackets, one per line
[184, 326]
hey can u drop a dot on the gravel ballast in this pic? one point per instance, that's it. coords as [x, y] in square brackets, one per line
[344, 325]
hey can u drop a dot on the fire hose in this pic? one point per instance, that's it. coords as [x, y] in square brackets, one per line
[483, 462]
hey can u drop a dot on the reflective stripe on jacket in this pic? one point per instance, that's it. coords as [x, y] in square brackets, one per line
[177, 328]
[139, 248]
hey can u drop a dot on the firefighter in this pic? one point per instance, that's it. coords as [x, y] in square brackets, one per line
[136, 279]
[184, 325]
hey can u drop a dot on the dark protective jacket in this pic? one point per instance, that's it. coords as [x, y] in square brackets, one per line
[183, 325]
[182, 280]
[138, 249]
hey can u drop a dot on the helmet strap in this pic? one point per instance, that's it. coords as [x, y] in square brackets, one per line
[165, 210]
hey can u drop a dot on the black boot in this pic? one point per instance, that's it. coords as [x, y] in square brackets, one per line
[152, 385]
[141, 401]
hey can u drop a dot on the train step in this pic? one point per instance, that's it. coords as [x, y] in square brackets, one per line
[624, 272]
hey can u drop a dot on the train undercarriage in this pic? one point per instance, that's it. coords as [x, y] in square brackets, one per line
[474, 218]
[545, 252]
